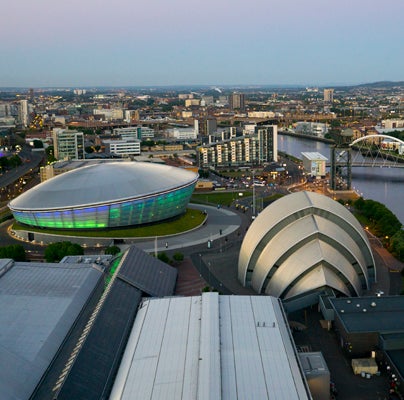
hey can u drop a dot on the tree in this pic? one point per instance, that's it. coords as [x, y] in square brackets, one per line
[382, 221]
[14, 161]
[56, 251]
[38, 144]
[178, 257]
[163, 257]
[15, 252]
[50, 154]
[113, 250]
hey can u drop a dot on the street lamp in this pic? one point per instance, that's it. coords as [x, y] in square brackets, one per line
[253, 202]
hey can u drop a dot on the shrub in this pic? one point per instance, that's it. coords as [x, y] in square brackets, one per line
[178, 257]
[113, 250]
[56, 251]
[15, 252]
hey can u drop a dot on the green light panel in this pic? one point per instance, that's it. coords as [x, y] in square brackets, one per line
[129, 213]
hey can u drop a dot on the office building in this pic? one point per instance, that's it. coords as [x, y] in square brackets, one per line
[109, 114]
[68, 144]
[134, 132]
[317, 129]
[123, 147]
[314, 164]
[183, 134]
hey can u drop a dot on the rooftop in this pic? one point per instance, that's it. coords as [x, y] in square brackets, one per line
[314, 156]
[40, 302]
[224, 347]
[370, 314]
[97, 184]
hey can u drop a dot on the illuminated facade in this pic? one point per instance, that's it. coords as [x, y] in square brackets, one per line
[106, 196]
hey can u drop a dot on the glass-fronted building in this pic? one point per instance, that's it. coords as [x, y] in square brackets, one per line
[108, 195]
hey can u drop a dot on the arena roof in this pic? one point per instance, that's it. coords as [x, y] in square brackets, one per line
[224, 347]
[302, 242]
[40, 303]
[101, 184]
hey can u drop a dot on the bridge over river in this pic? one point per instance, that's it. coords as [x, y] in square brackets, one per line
[375, 151]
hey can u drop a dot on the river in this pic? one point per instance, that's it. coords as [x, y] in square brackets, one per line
[385, 185]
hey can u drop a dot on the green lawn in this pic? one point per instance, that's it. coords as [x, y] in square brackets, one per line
[191, 219]
[222, 198]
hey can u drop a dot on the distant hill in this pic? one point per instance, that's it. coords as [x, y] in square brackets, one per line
[381, 84]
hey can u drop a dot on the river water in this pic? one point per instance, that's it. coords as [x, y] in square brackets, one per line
[385, 185]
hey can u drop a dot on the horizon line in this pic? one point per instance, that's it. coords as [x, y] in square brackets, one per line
[246, 85]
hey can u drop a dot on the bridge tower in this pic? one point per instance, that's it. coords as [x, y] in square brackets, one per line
[341, 162]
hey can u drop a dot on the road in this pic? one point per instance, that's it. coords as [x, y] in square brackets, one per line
[31, 159]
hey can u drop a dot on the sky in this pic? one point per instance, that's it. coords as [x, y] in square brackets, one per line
[87, 43]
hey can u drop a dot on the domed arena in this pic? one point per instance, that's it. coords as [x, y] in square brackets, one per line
[107, 195]
[303, 243]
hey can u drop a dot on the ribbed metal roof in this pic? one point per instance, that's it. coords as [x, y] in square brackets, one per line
[210, 347]
[148, 274]
[93, 373]
[40, 303]
[103, 183]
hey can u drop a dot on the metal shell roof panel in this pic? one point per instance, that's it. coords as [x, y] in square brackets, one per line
[213, 347]
[101, 184]
[40, 301]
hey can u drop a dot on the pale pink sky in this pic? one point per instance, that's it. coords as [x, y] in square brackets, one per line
[97, 42]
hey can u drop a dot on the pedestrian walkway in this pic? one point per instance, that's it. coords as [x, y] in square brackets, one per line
[189, 282]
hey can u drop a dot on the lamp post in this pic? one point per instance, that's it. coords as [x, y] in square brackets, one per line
[253, 202]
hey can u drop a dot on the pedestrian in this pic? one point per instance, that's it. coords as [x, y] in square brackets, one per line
[166, 245]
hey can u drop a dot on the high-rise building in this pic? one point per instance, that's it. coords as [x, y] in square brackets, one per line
[23, 113]
[237, 101]
[5, 110]
[267, 143]
[206, 126]
[328, 95]
[68, 144]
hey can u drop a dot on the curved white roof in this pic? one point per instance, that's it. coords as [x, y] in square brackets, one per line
[299, 237]
[103, 183]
